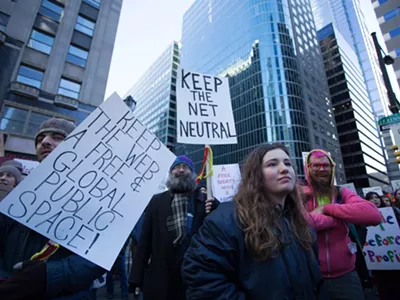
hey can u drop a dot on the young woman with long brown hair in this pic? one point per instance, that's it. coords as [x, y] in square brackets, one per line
[258, 246]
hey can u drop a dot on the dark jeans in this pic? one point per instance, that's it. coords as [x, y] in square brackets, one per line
[345, 287]
[121, 265]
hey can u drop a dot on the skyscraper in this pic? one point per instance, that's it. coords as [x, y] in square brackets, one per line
[275, 72]
[347, 16]
[55, 57]
[363, 157]
[388, 14]
[155, 96]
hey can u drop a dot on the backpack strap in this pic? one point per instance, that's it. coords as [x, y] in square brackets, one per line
[339, 195]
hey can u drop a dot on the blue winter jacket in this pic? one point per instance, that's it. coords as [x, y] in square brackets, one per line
[67, 273]
[218, 265]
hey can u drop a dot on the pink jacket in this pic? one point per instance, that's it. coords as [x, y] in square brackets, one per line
[333, 239]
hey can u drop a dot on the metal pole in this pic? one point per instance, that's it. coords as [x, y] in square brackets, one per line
[394, 104]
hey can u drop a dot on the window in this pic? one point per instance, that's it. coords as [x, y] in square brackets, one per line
[13, 119]
[85, 26]
[3, 21]
[394, 32]
[30, 76]
[51, 10]
[69, 88]
[391, 14]
[41, 41]
[23, 121]
[77, 56]
[94, 3]
[382, 1]
[34, 122]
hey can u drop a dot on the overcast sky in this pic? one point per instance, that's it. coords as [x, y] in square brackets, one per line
[146, 28]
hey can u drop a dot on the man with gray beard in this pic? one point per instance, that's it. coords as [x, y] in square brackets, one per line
[171, 219]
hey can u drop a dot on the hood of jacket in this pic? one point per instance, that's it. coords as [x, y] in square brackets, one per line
[307, 168]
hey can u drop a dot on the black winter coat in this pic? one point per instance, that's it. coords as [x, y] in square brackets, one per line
[156, 265]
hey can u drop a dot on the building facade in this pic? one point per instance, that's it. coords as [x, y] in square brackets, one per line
[347, 17]
[388, 15]
[275, 73]
[55, 57]
[363, 158]
[155, 96]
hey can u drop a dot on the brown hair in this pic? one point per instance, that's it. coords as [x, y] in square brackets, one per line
[258, 216]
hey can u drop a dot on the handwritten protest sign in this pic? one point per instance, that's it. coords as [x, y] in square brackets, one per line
[27, 165]
[396, 184]
[204, 114]
[382, 247]
[375, 189]
[225, 181]
[88, 194]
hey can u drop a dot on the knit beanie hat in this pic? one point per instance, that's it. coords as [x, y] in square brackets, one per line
[55, 125]
[14, 171]
[13, 163]
[183, 159]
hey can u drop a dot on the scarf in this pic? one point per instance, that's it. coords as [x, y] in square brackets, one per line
[177, 223]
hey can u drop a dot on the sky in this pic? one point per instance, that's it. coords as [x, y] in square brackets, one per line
[145, 30]
[147, 27]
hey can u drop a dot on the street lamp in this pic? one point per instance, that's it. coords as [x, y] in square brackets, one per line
[387, 60]
[130, 102]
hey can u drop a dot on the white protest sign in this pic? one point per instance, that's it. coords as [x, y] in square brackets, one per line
[204, 109]
[350, 186]
[375, 189]
[88, 194]
[381, 248]
[396, 184]
[225, 181]
[27, 165]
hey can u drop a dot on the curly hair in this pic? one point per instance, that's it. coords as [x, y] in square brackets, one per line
[257, 215]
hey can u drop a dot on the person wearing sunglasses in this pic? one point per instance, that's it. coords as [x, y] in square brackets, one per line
[330, 211]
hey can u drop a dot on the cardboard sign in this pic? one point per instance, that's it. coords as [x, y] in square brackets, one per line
[88, 194]
[376, 189]
[225, 181]
[204, 109]
[382, 247]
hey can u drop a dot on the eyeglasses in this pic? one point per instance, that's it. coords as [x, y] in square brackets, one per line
[185, 167]
[317, 167]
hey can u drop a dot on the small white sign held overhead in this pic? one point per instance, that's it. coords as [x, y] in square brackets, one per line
[395, 184]
[204, 109]
[350, 186]
[225, 181]
[381, 248]
[88, 194]
[376, 189]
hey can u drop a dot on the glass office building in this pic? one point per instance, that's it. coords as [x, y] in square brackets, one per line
[253, 43]
[363, 157]
[155, 96]
[347, 16]
[388, 14]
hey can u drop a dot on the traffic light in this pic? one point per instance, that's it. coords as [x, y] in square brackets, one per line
[396, 153]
